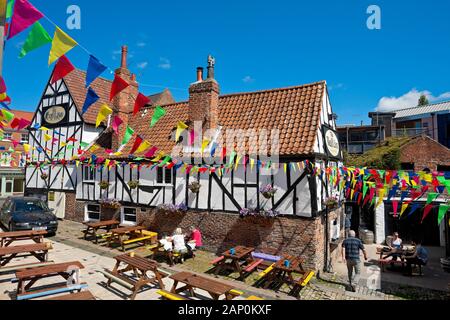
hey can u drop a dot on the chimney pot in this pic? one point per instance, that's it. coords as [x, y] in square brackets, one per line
[199, 74]
[133, 77]
[124, 56]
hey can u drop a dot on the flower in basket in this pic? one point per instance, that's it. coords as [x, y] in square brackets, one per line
[110, 203]
[172, 209]
[268, 191]
[44, 176]
[103, 185]
[332, 202]
[194, 187]
[133, 184]
[270, 213]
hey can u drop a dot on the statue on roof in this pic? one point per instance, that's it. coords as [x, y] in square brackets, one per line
[211, 61]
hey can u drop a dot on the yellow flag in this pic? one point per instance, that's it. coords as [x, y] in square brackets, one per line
[143, 147]
[77, 163]
[61, 44]
[47, 137]
[237, 162]
[118, 153]
[404, 207]
[252, 163]
[381, 194]
[44, 129]
[205, 143]
[104, 112]
[180, 128]
[94, 148]
[107, 161]
[26, 148]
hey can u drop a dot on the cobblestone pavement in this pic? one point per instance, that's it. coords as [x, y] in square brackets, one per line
[69, 246]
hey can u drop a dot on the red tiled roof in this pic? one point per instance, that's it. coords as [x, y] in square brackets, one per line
[75, 82]
[295, 111]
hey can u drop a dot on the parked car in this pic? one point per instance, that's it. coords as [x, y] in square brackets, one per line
[19, 213]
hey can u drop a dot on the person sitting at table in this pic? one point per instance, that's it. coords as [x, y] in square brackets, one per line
[395, 247]
[418, 258]
[179, 243]
[166, 243]
[196, 236]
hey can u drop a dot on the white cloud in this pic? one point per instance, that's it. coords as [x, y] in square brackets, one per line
[408, 100]
[164, 63]
[248, 79]
[142, 65]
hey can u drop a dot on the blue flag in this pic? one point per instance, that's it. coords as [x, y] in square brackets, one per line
[94, 70]
[414, 207]
[4, 105]
[91, 98]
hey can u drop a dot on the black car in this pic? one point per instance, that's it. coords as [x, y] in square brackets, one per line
[19, 213]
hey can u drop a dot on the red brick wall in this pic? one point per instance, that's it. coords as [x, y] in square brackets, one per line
[425, 153]
[204, 103]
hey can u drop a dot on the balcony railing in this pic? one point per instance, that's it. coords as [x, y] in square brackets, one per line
[412, 132]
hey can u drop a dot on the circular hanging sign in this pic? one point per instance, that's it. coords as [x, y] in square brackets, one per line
[332, 143]
[55, 115]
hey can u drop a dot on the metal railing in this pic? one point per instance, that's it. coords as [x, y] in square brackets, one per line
[412, 132]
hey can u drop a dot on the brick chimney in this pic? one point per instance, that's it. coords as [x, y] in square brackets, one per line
[204, 98]
[123, 103]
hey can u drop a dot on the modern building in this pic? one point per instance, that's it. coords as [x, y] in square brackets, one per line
[360, 139]
[13, 160]
[301, 117]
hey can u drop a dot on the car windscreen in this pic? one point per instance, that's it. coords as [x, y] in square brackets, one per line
[30, 206]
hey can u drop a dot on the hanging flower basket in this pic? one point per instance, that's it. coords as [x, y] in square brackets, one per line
[268, 191]
[110, 204]
[171, 209]
[104, 185]
[194, 187]
[44, 176]
[261, 217]
[331, 203]
[133, 184]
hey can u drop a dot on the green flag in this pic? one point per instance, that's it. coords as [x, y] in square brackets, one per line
[165, 161]
[84, 145]
[159, 113]
[36, 39]
[128, 134]
[431, 197]
[442, 211]
[9, 9]
[8, 115]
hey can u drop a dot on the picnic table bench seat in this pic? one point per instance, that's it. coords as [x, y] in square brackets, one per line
[305, 279]
[266, 257]
[171, 296]
[50, 292]
[119, 279]
[217, 260]
[254, 298]
[78, 296]
[252, 266]
[267, 271]
[136, 240]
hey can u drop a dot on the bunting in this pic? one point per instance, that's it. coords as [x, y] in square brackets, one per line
[37, 38]
[426, 211]
[128, 135]
[94, 70]
[62, 68]
[443, 209]
[117, 122]
[157, 115]
[25, 14]
[141, 101]
[104, 113]
[61, 44]
[137, 144]
[144, 146]
[117, 86]
[181, 126]
[91, 98]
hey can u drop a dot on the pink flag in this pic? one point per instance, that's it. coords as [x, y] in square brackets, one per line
[23, 124]
[395, 207]
[151, 152]
[15, 143]
[116, 124]
[24, 16]
[192, 138]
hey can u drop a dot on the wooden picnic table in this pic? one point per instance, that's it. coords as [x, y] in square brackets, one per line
[193, 281]
[93, 227]
[140, 267]
[240, 258]
[117, 235]
[38, 250]
[27, 278]
[283, 273]
[7, 238]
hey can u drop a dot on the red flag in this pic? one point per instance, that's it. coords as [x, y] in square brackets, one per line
[137, 144]
[395, 207]
[426, 211]
[117, 86]
[15, 123]
[2, 85]
[116, 124]
[63, 68]
[141, 101]
[23, 124]
[151, 152]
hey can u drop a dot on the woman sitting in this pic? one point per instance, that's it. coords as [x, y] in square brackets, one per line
[395, 247]
[179, 243]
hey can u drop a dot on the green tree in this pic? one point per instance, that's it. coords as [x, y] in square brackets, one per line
[423, 101]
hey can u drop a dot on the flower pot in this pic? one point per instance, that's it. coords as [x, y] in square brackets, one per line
[268, 195]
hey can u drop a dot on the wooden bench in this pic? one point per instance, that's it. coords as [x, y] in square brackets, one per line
[216, 261]
[171, 296]
[13, 269]
[123, 281]
[79, 296]
[136, 240]
[384, 262]
[266, 272]
[54, 291]
[253, 265]
[303, 281]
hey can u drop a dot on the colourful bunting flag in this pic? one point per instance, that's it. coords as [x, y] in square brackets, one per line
[23, 123]
[443, 209]
[62, 68]
[47, 137]
[426, 211]
[205, 144]
[137, 144]
[141, 101]
[9, 9]
[414, 208]
[26, 148]
[61, 44]
[144, 146]
[128, 135]
[404, 207]
[151, 153]
[431, 197]
[181, 126]
[25, 14]
[395, 207]
[94, 70]
[117, 86]
[37, 38]
[157, 115]
[104, 112]
[8, 116]
[91, 98]
[117, 122]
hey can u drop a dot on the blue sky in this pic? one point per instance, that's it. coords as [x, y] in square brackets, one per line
[257, 45]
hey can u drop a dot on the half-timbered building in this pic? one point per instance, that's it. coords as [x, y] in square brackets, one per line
[305, 124]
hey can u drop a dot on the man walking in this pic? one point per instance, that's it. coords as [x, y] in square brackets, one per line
[351, 255]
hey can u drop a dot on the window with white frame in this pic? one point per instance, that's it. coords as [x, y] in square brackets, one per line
[24, 138]
[88, 174]
[92, 212]
[164, 176]
[129, 216]
[7, 136]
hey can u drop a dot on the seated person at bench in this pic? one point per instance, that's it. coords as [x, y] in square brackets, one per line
[397, 245]
[419, 258]
[179, 244]
[196, 236]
